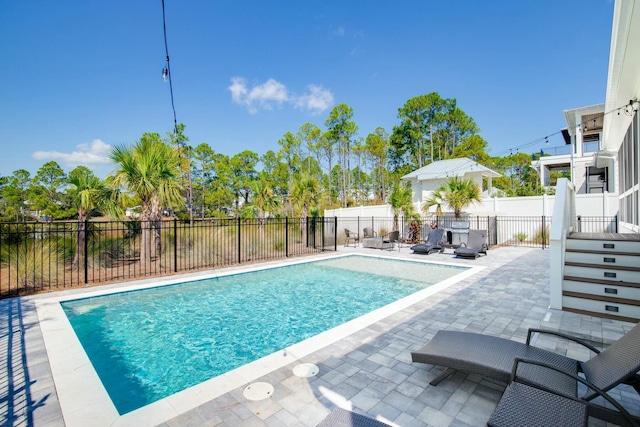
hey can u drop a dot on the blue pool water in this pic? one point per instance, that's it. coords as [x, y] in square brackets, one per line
[149, 344]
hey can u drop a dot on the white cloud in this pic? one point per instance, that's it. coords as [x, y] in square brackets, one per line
[272, 93]
[95, 153]
[317, 99]
[263, 96]
[238, 90]
[268, 93]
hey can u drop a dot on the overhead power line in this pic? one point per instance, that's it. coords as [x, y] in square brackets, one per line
[166, 71]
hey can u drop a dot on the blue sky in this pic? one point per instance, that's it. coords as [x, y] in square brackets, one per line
[77, 77]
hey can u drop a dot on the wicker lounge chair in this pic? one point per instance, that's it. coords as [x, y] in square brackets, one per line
[494, 357]
[534, 405]
[342, 418]
[476, 245]
[432, 244]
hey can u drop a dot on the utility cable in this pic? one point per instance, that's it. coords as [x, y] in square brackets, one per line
[629, 109]
[166, 72]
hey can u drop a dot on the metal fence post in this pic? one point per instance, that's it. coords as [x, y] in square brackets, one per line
[286, 236]
[239, 254]
[335, 233]
[175, 245]
[86, 252]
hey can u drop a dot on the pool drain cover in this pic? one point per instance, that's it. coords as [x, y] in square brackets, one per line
[258, 391]
[306, 370]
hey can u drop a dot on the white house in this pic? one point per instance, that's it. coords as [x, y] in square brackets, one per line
[598, 274]
[427, 179]
[621, 120]
[590, 168]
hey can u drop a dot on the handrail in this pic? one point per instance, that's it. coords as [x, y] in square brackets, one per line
[562, 224]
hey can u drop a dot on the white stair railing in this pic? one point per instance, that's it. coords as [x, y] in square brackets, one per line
[562, 224]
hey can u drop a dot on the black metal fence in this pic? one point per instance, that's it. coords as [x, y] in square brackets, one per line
[49, 256]
[530, 231]
[597, 224]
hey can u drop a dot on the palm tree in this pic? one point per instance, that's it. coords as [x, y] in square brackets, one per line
[264, 198]
[304, 192]
[88, 192]
[149, 169]
[401, 201]
[457, 193]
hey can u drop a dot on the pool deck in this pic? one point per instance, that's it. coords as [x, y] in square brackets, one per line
[368, 370]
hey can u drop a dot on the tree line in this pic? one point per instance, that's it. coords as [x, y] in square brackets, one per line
[312, 169]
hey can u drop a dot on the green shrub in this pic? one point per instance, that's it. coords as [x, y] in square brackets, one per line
[538, 237]
[520, 237]
[33, 265]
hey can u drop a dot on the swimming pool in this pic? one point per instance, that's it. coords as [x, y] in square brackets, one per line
[148, 344]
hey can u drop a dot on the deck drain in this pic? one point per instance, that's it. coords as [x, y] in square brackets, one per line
[258, 391]
[306, 370]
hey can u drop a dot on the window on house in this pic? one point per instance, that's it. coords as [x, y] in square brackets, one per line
[591, 143]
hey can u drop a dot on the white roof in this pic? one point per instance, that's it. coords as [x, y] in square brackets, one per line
[450, 168]
[570, 115]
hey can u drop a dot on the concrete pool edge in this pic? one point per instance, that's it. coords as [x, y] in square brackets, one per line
[83, 399]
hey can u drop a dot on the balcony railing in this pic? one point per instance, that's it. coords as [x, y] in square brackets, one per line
[590, 147]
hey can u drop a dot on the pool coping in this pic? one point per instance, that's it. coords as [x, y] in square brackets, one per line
[84, 400]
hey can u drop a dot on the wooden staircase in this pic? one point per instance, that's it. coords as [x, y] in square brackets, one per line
[602, 275]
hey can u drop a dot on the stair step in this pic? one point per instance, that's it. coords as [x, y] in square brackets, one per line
[602, 281]
[604, 246]
[614, 300]
[608, 266]
[601, 252]
[590, 271]
[602, 275]
[604, 315]
[603, 260]
[602, 308]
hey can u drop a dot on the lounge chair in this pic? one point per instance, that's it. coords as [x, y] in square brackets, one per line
[342, 418]
[475, 246]
[368, 233]
[494, 357]
[350, 236]
[523, 403]
[432, 244]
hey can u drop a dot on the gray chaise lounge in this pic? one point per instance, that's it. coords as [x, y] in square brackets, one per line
[536, 405]
[432, 244]
[494, 357]
[475, 246]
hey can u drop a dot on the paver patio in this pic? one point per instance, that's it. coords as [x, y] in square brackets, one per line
[370, 371]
